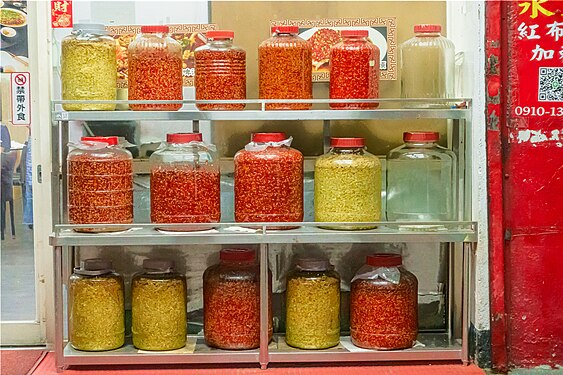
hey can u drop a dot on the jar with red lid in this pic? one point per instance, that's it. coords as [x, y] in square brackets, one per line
[100, 184]
[354, 70]
[348, 185]
[185, 182]
[231, 301]
[384, 304]
[269, 180]
[220, 71]
[285, 68]
[155, 69]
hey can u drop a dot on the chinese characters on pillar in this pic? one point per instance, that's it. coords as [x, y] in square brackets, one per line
[61, 14]
[21, 104]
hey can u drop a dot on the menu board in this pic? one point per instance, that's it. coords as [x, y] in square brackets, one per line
[13, 34]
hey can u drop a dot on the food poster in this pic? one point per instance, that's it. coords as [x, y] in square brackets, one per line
[324, 33]
[13, 30]
[190, 37]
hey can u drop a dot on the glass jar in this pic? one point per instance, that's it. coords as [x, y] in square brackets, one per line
[96, 312]
[155, 69]
[88, 67]
[185, 182]
[100, 184]
[231, 301]
[269, 180]
[354, 70]
[158, 306]
[348, 184]
[313, 305]
[421, 180]
[427, 64]
[220, 72]
[384, 304]
[285, 68]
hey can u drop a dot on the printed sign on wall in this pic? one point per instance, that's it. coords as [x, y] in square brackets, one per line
[324, 33]
[21, 103]
[61, 14]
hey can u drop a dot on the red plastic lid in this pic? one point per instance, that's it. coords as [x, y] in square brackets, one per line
[347, 142]
[112, 141]
[155, 29]
[220, 34]
[349, 33]
[384, 260]
[268, 137]
[421, 136]
[237, 255]
[184, 137]
[424, 28]
[285, 29]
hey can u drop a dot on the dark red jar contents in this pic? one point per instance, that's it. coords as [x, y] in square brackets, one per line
[220, 72]
[269, 183]
[383, 315]
[354, 70]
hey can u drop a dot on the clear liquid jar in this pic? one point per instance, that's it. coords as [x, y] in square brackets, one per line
[220, 72]
[159, 306]
[88, 67]
[155, 69]
[285, 68]
[269, 180]
[427, 64]
[313, 305]
[384, 304]
[185, 182]
[100, 184]
[231, 301]
[354, 70]
[348, 184]
[96, 311]
[421, 180]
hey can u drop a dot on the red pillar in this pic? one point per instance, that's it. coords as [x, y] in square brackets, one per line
[525, 161]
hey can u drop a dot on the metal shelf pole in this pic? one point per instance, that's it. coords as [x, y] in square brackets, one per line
[264, 356]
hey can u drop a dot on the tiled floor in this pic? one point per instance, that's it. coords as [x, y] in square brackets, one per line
[47, 367]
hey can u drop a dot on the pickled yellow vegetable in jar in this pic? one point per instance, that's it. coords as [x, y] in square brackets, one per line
[96, 308]
[159, 304]
[88, 68]
[348, 185]
[313, 305]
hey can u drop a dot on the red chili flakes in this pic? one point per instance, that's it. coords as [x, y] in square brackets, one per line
[185, 195]
[100, 191]
[384, 315]
[269, 185]
[354, 73]
[220, 75]
[155, 74]
[285, 71]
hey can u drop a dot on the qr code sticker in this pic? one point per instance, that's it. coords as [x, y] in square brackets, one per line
[550, 86]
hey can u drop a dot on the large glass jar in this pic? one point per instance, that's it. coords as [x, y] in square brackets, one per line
[384, 304]
[100, 184]
[155, 69]
[185, 182]
[313, 305]
[348, 184]
[354, 70]
[96, 312]
[427, 64]
[220, 71]
[88, 67]
[285, 68]
[269, 180]
[231, 301]
[421, 180]
[158, 306]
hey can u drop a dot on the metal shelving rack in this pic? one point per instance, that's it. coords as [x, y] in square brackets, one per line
[463, 233]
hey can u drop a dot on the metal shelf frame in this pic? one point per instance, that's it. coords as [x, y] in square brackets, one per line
[461, 235]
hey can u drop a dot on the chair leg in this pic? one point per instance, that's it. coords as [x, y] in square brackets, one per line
[12, 219]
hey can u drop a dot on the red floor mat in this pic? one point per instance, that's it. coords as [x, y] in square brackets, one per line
[18, 362]
[47, 367]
